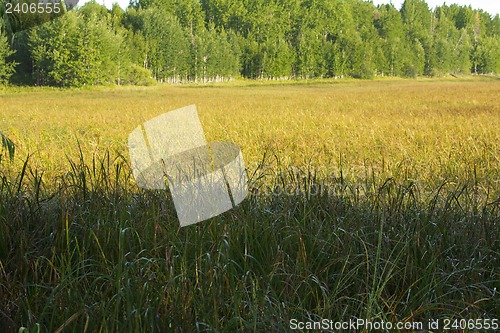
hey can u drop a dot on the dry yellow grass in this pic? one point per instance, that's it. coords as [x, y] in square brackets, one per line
[419, 129]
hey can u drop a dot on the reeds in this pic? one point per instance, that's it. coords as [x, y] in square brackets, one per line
[99, 254]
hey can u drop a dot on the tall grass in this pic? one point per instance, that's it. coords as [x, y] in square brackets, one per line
[375, 200]
[98, 254]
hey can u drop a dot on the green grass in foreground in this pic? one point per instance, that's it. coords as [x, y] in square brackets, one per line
[377, 200]
[99, 255]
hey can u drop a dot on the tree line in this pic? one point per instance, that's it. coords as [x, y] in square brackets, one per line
[215, 40]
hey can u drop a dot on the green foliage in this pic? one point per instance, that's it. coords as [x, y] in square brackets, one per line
[189, 40]
[167, 45]
[7, 68]
[8, 145]
[487, 55]
[137, 75]
[82, 48]
[16, 21]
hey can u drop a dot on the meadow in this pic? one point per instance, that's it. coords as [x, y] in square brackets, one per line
[375, 199]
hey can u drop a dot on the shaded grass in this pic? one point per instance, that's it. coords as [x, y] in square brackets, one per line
[98, 254]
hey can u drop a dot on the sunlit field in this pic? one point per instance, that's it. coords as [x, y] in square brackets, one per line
[426, 131]
[368, 199]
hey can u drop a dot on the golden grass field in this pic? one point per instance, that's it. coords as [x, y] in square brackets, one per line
[425, 130]
[82, 250]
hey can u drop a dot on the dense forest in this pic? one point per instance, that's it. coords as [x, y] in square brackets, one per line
[215, 40]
